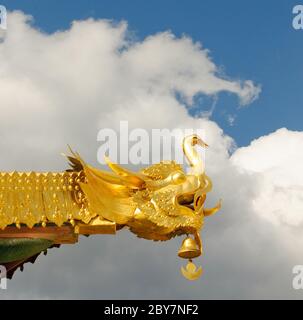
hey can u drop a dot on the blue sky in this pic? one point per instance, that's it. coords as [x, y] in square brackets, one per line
[249, 40]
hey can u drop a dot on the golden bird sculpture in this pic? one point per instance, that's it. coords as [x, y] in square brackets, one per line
[42, 210]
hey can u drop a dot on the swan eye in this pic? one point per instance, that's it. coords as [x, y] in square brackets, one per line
[195, 140]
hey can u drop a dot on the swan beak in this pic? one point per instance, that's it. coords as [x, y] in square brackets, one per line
[201, 143]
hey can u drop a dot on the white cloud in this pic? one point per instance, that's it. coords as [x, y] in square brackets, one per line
[276, 161]
[92, 75]
[62, 88]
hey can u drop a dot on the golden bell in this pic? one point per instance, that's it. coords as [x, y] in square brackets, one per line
[189, 249]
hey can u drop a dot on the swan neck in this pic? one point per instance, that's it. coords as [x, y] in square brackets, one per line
[194, 159]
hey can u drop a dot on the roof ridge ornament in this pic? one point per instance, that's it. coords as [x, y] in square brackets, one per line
[157, 203]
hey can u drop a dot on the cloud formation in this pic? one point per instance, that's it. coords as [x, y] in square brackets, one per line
[276, 161]
[62, 88]
[93, 74]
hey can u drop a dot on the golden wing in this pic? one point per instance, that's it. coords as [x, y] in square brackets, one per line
[129, 178]
[109, 195]
[161, 170]
[154, 177]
